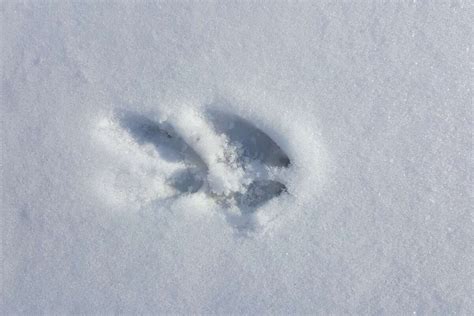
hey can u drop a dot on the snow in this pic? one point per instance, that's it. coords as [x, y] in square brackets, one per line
[247, 158]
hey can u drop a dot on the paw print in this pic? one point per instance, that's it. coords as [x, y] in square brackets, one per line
[214, 153]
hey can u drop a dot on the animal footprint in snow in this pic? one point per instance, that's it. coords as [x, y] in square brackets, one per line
[218, 154]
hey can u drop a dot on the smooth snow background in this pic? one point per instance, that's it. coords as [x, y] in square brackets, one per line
[384, 86]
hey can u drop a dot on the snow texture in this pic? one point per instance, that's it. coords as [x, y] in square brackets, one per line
[236, 157]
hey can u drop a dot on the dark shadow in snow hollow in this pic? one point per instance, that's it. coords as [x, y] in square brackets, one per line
[167, 142]
[170, 147]
[255, 144]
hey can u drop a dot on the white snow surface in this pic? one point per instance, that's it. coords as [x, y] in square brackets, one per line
[236, 157]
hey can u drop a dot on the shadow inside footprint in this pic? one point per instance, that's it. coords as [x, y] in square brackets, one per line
[186, 181]
[169, 145]
[258, 193]
[253, 142]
